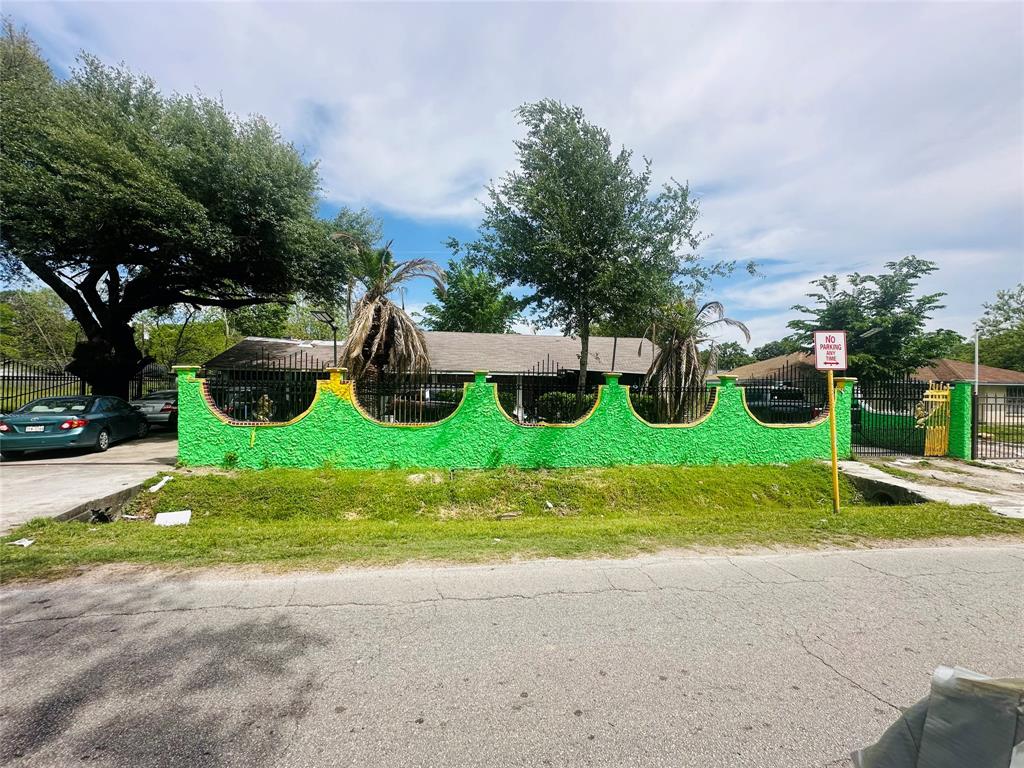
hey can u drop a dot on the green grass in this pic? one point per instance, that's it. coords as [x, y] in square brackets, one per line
[324, 518]
[1004, 433]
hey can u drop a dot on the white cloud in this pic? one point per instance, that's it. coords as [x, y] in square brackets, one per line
[825, 137]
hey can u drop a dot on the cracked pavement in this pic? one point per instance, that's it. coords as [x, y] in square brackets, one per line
[785, 660]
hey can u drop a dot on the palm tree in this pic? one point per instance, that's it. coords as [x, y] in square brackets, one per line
[381, 335]
[677, 373]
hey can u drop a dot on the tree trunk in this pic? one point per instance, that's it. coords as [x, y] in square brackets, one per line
[581, 386]
[109, 360]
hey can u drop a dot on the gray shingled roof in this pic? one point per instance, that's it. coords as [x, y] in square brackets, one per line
[466, 352]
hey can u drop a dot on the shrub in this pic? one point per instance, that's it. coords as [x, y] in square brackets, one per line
[561, 406]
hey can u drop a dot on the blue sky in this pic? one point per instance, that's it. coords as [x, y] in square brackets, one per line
[820, 137]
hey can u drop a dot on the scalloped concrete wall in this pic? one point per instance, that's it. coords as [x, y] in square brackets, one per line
[478, 434]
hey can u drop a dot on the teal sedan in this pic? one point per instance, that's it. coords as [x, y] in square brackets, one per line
[95, 422]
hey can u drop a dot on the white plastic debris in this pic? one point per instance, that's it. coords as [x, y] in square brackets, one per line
[549, 505]
[161, 484]
[23, 542]
[132, 517]
[181, 517]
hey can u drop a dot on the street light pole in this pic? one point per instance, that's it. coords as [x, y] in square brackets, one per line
[977, 335]
[327, 318]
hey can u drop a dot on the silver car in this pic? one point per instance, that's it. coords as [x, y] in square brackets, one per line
[159, 407]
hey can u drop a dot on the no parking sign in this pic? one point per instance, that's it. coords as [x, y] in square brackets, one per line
[830, 350]
[830, 355]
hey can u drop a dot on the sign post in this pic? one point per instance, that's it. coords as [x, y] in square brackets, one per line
[830, 356]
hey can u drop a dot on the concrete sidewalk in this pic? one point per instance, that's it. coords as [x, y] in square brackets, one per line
[786, 661]
[948, 481]
[48, 483]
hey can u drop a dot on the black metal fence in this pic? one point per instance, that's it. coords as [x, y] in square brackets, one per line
[885, 417]
[22, 382]
[546, 393]
[152, 379]
[266, 388]
[998, 428]
[671, 405]
[410, 397]
[794, 394]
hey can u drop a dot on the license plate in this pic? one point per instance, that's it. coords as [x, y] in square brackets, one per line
[35, 429]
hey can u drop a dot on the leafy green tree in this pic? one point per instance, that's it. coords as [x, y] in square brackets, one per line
[731, 355]
[580, 229]
[35, 325]
[1005, 313]
[888, 307]
[473, 302]
[267, 320]
[776, 349]
[123, 200]
[302, 325]
[1001, 343]
[1000, 350]
[182, 335]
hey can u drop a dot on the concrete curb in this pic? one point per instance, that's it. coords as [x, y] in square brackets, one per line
[104, 509]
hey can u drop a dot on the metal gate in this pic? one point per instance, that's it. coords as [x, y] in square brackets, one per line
[998, 428]
[934, 420]
[885, 417]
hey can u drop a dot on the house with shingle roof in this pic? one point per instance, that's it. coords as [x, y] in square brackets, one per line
[502, 354]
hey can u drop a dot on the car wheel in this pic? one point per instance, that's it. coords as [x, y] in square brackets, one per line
[143, 429]
[12, 454]
[102, 440]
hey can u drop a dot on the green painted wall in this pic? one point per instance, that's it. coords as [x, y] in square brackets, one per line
[960, 404]
[334, 431]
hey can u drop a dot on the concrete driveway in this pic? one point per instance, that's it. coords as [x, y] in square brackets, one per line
[777, 661]
[47, 483]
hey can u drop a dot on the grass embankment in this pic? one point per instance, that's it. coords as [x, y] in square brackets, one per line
[324, 518]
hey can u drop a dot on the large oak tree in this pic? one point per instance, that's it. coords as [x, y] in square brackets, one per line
[122, 200]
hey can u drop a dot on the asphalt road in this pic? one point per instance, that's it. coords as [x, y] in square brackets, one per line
[47, 483]
[785, 660]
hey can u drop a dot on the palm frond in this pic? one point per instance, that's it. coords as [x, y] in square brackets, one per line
[381, 335]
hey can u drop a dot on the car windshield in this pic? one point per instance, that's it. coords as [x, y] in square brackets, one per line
[58, 405]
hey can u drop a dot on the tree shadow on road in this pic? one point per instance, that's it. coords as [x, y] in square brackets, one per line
[170, 693]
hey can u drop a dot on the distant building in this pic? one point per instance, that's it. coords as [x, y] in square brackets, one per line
[996, 385]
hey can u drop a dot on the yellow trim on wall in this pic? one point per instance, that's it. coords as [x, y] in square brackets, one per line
[321, 387]
[687, 425]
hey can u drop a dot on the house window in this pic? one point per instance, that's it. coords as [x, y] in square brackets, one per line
[1015, 401]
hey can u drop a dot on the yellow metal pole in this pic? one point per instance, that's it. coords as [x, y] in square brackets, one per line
[832, 435]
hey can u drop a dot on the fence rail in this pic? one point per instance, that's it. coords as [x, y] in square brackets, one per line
[671, 405]
[22, 382]
[998, 428]
[409, 397]
[794, 394]
[545, 393]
